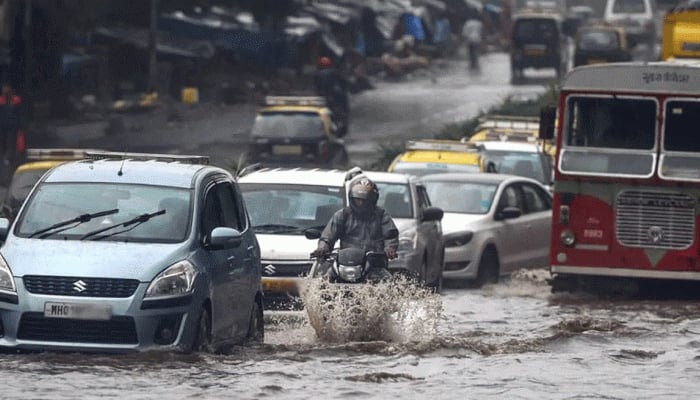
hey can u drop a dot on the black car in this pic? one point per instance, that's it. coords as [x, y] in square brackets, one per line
[296, 131]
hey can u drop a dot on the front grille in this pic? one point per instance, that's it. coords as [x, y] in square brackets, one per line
[655, 220]
[80, 287]
[278, 269]
[117, 330]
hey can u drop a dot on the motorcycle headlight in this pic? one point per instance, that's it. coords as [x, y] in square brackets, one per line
[176, 280]
[408, 241]
[458, 239]
[7, 282]
[350, 273]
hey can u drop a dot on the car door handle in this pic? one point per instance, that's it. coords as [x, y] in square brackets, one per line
[249, 253]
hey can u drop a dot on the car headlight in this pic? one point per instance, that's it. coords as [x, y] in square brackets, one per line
[458, 239]
[408, 240]
[176, 280]
[7, 282]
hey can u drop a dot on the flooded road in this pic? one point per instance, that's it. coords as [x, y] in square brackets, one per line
[509, 340]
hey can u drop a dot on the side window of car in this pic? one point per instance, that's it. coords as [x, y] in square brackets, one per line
[511, 198]
[535, 199]
[211, 213]
[423, 198]
[228, 201]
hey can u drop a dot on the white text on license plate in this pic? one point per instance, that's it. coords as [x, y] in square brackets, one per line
[77, 311]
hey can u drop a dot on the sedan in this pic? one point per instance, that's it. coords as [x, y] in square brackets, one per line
[494, 224]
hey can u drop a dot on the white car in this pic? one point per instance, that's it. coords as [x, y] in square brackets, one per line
[283, 203]
[494, 224]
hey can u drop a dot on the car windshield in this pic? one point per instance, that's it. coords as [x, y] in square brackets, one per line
[629, 7]
[53, 203]
[609, 135]
[290, 208]
[521, 163]
[288, 125]
[461, 197]
[396, 199]
[598, 40]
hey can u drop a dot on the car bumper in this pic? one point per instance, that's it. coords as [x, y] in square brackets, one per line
[460, 263]
[131, 325]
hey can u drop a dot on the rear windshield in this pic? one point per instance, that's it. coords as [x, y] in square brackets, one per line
[598, 40]
[538, 30]
[288, 125]
[629, 7]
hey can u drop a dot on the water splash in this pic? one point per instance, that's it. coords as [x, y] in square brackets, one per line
[392, 311]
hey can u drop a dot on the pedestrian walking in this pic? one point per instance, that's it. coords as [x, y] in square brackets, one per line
[472, 32]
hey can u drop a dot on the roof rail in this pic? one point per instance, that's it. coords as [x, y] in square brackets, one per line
[37, 154]
[295, 101]
[353, 172]
[115, 155]
[439, 145]
[248, 169]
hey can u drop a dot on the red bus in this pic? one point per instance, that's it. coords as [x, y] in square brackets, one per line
[627, 176]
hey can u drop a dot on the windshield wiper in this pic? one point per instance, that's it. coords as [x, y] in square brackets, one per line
[136, 221]
[276, 228]
[75, 221]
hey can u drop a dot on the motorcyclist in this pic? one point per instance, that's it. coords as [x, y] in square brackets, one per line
[363, 224]
[332, 85]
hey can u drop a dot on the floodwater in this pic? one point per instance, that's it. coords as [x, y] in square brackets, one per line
[511, 340]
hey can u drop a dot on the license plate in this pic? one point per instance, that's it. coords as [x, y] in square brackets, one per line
[286, 149]
[595, 61]
[78, 311]
[279, 285]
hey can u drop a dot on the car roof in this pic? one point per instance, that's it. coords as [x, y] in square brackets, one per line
[156, 172]
[473, 177]
[441, 156]
[301, 176]
[498, 145]
[388, 177]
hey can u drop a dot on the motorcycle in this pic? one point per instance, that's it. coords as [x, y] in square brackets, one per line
[345, 293]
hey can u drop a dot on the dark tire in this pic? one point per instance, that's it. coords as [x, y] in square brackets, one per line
[488, 268]
[436, 283]
[256, 326]
[202, 337]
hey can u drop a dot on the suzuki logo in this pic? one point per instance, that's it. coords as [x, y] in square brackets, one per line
[79, 286]
[270, 269]
[655, 234]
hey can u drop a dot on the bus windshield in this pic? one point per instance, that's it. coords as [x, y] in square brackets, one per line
[681, 142]
[609, 135]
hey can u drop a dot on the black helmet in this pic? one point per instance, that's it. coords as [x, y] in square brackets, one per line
[364, 189]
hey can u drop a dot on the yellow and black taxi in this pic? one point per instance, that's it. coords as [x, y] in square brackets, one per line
[510, 128]
[431, 156]
[596, 44]
[296, 131]
[37, 162]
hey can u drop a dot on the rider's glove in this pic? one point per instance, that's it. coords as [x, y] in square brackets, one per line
[390, 253]
[321, 251]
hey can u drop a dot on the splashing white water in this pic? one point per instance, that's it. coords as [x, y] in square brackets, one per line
[395, 311]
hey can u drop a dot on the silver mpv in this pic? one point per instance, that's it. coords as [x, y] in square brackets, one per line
[131, 252]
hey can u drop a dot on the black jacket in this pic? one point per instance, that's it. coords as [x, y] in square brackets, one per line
[366, 232]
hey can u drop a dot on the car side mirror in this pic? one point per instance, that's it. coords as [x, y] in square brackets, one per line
[509, 213]
[312, 233]
[432, 214]
[548, 115]
[223, 238]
